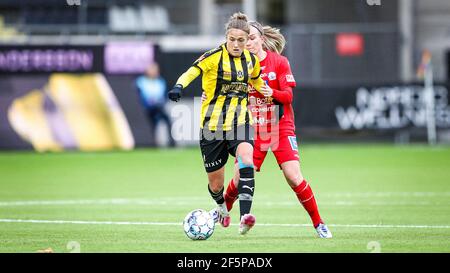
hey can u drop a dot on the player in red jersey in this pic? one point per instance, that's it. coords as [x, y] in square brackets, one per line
[274, 121]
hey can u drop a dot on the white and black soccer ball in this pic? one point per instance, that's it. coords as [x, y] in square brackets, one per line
[198, 225]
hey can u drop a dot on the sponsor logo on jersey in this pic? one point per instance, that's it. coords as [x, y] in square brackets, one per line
[290, 78]
[264, 121]
[272, 76]
[293, 142]
[262, 101]
[264, 109]
[234, 87]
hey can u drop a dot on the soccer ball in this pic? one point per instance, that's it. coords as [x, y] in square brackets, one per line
[198, 225]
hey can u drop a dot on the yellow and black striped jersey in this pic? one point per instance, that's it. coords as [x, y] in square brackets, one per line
[225, 81]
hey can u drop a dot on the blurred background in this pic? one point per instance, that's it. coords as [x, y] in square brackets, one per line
[366, 70]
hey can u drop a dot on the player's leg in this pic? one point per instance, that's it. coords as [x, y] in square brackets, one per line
[231, 193]
[240, 145]
[215, 156]
[305, 195]
[246, 186]
[215, 188]
[302, 189]
[288, 159]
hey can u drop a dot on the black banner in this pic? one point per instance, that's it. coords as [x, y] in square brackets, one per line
[232, 262]
[359, 108]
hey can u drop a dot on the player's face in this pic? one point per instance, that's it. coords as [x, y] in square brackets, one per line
[255, 41]
[236, 40]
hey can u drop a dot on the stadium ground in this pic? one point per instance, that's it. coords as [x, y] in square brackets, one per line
[377, 198]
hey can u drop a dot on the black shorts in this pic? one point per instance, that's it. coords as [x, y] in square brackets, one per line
[216, 145]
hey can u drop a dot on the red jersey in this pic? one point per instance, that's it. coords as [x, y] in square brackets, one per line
[274, 113]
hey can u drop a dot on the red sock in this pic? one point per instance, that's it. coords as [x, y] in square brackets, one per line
[306, 198]
[230, 195]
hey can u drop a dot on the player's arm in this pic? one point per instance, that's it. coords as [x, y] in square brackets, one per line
[183, 81]
[286, 82]
[187, 77]
[255, 76]
[284, 96]
[199, 66]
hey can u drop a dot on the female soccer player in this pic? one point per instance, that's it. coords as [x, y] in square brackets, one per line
[225, 122]
[274, 121]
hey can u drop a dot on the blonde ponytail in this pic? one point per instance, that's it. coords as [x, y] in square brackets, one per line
[273, 39]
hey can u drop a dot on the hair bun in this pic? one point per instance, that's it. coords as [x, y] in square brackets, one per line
[239, 16]
[238, 21]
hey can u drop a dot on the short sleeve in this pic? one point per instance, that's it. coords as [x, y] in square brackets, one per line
[202, 63]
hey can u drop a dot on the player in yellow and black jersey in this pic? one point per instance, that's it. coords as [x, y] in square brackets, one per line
[225, 121]
[225, 80]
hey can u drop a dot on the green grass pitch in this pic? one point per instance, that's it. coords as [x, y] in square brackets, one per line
[373, 197]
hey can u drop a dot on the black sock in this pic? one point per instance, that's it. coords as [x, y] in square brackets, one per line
[245, 189]
[217, 196]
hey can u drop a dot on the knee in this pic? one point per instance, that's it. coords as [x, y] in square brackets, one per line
[245, 160]
[294, 178]
[244, 153]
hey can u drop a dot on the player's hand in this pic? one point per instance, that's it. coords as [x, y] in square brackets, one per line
[204, 97]
[266, 91]
[175, 93]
